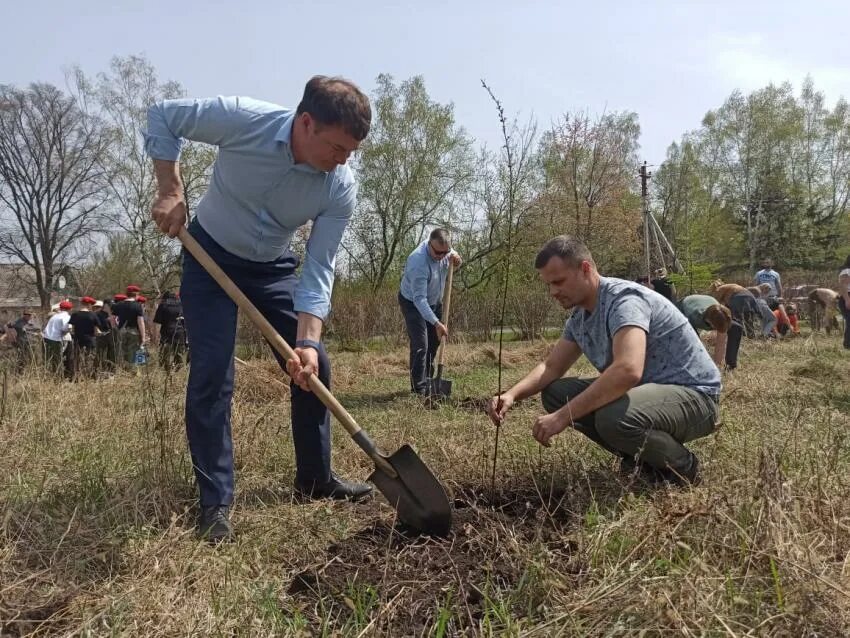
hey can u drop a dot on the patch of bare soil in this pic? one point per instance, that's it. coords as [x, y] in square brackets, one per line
[489, 559]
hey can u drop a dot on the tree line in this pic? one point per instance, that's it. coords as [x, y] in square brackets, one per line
[765, 173]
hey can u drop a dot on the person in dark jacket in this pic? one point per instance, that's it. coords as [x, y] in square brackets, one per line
[170, 331]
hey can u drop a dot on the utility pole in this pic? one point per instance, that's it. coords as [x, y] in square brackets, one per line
[644, 197]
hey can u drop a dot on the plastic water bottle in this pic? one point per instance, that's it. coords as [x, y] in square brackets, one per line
[141, 357]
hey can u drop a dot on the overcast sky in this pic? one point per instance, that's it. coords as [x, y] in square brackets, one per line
[668, 61]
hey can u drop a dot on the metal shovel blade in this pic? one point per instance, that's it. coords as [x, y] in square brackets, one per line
[438, 387]
[416, 494]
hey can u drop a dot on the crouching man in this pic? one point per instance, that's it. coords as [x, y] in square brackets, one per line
[658, 386]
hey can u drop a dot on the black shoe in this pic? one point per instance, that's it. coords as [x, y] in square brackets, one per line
[685, 476]
[631, 470]
[214, 524]
[337, 489]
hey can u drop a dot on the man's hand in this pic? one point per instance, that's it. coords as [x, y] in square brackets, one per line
[169, 213]
[498, 407]
[547, 426]
[305, 364]
[442, 330]
[456, 260]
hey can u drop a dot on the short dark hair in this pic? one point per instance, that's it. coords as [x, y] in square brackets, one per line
[439, 234]
[570, 249]
[335, 101]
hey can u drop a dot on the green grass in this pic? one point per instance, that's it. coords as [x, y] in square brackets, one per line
[97, 508]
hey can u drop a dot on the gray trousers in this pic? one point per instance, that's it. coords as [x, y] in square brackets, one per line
[423, 343]
[649, 423]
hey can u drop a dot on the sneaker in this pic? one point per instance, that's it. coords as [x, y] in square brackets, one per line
[337, 489]
[214, 524]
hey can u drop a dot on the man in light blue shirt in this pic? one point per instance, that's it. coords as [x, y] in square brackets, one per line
[420, 299]
[276, 170]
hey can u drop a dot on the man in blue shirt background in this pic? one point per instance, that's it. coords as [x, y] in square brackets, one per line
[276, 169]
[767, 275]
[420, 299]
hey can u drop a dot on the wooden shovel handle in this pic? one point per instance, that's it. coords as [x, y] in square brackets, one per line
[447, 304]
[272, 335]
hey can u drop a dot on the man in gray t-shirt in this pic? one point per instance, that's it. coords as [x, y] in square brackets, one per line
[658, 387]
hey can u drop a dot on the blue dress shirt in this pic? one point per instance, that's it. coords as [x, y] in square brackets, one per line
[258, 196]
[423, 281]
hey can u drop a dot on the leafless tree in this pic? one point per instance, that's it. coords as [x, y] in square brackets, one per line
[51, 188]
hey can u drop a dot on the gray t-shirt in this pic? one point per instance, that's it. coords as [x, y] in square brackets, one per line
[674, 353]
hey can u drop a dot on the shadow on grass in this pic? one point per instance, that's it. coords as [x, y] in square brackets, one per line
[59, 542]
[361, 400]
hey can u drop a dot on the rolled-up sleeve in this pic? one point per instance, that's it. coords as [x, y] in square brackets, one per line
[212, 121]
[313, 293]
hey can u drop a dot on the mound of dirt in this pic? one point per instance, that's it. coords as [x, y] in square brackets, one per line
[486, 556]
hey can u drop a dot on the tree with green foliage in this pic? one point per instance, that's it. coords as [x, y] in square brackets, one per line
[767, 174]
[412, 167]
[122, 97]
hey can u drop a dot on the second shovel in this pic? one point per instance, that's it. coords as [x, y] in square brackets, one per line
[438, 387]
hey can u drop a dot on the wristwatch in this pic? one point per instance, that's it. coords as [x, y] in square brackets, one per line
[308, 343]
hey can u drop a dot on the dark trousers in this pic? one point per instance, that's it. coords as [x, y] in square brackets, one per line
[210, 318]
[744, 310]
[84, 354]
[172, 349]
[23, 355]
[105, 351]
[423, 343]
[845, 312]
[53, 359]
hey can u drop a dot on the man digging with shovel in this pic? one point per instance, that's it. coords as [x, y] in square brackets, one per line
[420, 298]
[658, 388]
[276, 169]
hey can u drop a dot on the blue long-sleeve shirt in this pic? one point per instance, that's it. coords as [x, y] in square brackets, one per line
[423, 281]
[258, 196]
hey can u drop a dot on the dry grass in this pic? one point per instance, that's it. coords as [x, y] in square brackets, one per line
[96, 513]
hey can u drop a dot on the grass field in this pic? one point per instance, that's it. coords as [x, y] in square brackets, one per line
[97, 513]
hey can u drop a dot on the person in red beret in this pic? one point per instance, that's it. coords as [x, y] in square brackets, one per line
[84, 330]
[130, 322]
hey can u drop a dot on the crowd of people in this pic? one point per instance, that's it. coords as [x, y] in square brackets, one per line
[97, 337]
[732, 311]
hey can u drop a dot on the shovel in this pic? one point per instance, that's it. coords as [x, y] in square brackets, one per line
[438, 387]
[402, 477]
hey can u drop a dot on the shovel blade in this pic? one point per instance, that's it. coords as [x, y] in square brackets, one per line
[439, 388]
[416, 494]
